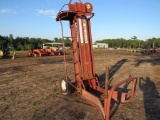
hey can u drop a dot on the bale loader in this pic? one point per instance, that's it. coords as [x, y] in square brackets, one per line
[87, 84]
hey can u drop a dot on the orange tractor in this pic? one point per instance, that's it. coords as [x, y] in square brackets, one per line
[48, 49]
[41, 52]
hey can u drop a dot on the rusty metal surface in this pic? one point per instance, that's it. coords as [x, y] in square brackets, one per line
[94, 100]
[79, 15]
[113, 90]
[71, 1]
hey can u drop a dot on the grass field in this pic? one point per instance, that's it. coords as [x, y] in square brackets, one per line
[30, 90]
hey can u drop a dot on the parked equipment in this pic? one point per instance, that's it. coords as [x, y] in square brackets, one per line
[46, 51]
[1, 53]
[157, 50]
[6, 51]
[87, 84]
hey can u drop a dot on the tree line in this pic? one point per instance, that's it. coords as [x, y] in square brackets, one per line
[26, 43]
[134, 42]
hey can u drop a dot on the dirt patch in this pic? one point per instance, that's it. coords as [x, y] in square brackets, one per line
[29, 87]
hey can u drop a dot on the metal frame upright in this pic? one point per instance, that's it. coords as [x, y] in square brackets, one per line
[79, 15]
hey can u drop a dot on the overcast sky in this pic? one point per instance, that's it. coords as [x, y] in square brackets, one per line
[113, 18]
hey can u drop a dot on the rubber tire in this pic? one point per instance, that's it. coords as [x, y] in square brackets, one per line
[65, 86]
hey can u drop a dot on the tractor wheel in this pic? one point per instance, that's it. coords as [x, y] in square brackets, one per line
[51, 54]
[35, 55]
[61, 52]
[65, 86]
[29, 54]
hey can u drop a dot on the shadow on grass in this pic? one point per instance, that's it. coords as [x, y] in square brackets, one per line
[154, 59]
[125, 88]
[112, 72]
[151, 98]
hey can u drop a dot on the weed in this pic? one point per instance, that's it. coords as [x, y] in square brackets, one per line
[38, 114]
[4, 108]
[35, 103]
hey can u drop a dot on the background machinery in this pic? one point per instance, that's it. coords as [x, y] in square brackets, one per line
[6, 51]
[47, 49]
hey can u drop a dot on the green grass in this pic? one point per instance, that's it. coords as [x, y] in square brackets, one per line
[21, 52]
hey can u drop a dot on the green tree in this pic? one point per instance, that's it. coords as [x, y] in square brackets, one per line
[11, 39]
[68, 42]
[56, 39]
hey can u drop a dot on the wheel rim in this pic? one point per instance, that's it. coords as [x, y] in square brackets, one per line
[63, 85]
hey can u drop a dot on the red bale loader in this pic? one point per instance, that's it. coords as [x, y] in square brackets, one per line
[79, 15]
